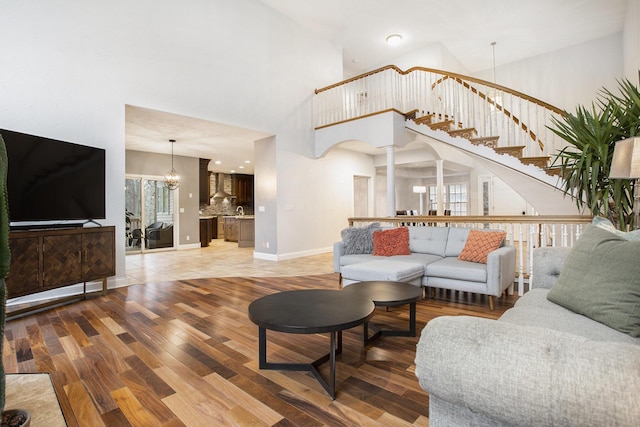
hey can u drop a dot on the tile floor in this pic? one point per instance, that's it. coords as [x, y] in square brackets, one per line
[220, 259]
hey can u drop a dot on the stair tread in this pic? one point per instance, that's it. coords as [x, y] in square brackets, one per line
[426, 119]
[462, 130]
[485, 138]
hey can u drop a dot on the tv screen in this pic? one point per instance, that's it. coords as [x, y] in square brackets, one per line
[51, 180]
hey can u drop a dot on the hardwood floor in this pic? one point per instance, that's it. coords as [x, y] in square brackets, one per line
[184, 353]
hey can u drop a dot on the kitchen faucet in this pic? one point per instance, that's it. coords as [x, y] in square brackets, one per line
[240, 210]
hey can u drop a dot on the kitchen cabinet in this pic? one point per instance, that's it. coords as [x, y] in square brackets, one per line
[48, 259]
[239, 229]
[220, 227]
[204, 182]
[230, 229]
[243, 189]
[246, 233]
[207, 225]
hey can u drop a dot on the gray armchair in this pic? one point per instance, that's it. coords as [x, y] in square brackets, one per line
[159, 235]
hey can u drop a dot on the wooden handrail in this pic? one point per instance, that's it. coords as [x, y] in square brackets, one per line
[497, 106]
[450, 74]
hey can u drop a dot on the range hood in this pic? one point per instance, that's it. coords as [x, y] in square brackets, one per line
[221, 194]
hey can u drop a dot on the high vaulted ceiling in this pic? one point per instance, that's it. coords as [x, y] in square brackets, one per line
[520, 28]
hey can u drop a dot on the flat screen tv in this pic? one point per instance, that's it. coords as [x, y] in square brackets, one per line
[53, 181]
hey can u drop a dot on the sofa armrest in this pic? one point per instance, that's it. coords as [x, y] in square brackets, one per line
[501, 269]
[338, 251]
[521, 375]
[547, 265]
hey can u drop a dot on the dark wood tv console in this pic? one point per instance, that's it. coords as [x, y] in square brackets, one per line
[47, 259]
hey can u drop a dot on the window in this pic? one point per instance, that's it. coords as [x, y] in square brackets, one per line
[455, 198]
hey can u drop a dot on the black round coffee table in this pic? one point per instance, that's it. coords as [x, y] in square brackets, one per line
[388, 294]
[309, 311]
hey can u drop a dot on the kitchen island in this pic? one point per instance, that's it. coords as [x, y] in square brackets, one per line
[240, 228]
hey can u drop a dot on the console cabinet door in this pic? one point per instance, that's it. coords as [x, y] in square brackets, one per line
[24, 277]
[61, 262]
[98, 258]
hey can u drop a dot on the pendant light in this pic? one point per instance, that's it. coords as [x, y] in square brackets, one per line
[172, 179]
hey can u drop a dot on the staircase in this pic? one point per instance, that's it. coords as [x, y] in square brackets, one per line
[506, 130]
[471, 134]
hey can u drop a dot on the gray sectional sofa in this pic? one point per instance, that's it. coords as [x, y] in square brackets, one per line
[541, 364]
[432, 262]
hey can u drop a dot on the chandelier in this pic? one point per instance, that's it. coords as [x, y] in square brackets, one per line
[172, 179]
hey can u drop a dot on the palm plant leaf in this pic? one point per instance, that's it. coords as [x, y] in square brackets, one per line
[585, 162]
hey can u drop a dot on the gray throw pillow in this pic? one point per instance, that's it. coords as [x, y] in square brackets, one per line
[601, 280]
[359, 240]
[605, 224]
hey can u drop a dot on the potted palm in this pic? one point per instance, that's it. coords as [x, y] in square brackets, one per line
[14, 417]
[586, 161]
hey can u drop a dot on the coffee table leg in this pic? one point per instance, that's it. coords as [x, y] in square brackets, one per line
[262, 348]
[332, 366]
[412, 319]
[335, 347]
[377, 332]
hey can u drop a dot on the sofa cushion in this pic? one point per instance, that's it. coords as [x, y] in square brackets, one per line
[391, 242]
[355, 258]
[428, 240]
[601, 280]
[456, 240]
[383, 269]
[359, 240]
[424, 259]
[534, 309]
[605, 224]
[479, 244]
[455, 269]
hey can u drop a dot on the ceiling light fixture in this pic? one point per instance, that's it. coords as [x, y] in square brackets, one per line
[394, 39]
[172, 179]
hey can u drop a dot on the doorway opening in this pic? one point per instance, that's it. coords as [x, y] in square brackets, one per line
[150, 212]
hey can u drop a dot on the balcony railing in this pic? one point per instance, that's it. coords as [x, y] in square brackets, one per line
[524, 232]
[491, 109]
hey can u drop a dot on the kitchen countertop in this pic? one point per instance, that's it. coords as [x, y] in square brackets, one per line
[240, 216]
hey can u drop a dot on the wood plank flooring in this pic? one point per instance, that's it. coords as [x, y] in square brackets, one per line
[184, 353]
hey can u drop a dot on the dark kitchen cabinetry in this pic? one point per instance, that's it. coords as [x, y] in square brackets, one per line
[243, 189]
[208, 230]
[204, 182]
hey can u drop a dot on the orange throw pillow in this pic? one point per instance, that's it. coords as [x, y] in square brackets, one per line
[479, 244]
[391, 242]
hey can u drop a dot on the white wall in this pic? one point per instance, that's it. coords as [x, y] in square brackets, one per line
[632, 42]
[68, 68]
[567, 77]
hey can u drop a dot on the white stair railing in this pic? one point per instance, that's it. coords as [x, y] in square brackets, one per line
[493, 110]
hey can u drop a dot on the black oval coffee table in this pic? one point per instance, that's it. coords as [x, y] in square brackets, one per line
[309, 311]
[387, 294]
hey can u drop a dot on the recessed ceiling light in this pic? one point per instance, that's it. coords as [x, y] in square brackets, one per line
[232, 171]
[240, 167]
[394, 39]
[247, 161]
[218, 162]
